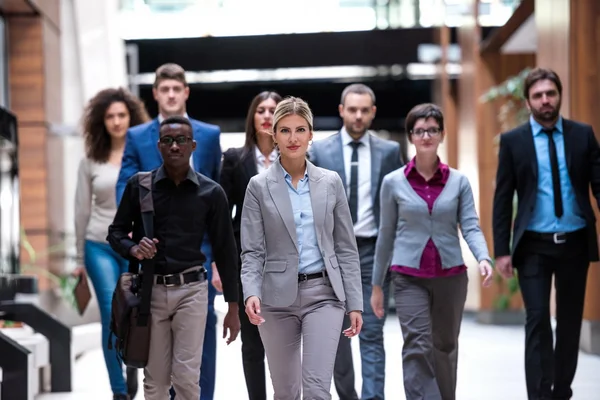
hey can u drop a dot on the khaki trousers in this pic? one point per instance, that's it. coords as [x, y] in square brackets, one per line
[177, 335]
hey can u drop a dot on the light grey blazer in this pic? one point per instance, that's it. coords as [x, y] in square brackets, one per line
[269, 244]
[407, 224]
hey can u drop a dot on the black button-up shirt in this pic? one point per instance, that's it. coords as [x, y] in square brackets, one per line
[182, 215]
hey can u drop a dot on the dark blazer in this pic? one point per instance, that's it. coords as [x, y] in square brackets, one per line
[236, 170]
[142, 154]
[385, 157]
[517, 170]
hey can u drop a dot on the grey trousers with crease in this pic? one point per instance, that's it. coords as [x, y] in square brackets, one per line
[301, 341]
[430, 311]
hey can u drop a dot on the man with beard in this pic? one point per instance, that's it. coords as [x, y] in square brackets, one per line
[550, 162]
[362, 160]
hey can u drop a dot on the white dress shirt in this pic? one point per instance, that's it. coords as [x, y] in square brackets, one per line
[365, 226]
[261, 159]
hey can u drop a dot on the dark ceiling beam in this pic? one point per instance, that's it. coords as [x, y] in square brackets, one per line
[494, 42]
[376, 47]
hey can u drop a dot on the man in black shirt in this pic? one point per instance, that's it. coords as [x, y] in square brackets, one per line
[186, 205]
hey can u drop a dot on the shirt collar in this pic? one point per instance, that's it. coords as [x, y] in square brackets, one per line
[161, 118]
[261, 157]
[537, 128]
[442, 168]
[347, 139]
[162, 174]
[288, 177]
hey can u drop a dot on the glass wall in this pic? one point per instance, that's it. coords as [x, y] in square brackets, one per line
[9, 172]
[9, 194]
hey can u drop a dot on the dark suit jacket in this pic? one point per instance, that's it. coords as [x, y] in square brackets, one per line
[517, 170]
[237, 169]
[142, 154]
[385, 157]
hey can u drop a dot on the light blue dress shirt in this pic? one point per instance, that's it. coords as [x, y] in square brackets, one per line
[311, 260]
[543, 218]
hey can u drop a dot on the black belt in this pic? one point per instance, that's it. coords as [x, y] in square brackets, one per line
[307, 277]
[366, 240]
[181, 279]
[556, 237]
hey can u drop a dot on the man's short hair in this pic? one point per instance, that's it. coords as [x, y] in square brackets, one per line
[357, 88]
[176, 119]
[170, 71]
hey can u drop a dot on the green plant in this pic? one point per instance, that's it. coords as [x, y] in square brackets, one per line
[65, 283]
[511, 113]
[513, 110]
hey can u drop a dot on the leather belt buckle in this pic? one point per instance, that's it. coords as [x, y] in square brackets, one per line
[559, 237]
[166, 278]
[302, 277]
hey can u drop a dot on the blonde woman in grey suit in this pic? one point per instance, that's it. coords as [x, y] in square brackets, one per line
[300, 264]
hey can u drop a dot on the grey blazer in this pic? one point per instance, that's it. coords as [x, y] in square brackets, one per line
[269, 245]
[385, 157]
[407, 224]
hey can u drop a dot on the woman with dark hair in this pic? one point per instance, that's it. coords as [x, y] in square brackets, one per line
[423, 205]
[239, 165]
[107, 117]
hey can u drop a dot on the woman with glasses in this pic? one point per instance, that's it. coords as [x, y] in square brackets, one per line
[422, 205]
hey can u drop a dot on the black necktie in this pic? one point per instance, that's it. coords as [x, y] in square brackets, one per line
[558, 206]
[353, 201]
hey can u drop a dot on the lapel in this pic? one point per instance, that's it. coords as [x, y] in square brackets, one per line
[279, 193]
[376, 159]
[318, 197]
[197, 157]
[154, 136]
[337, 158]
[249, 164]
[529, 147]
[570, 143]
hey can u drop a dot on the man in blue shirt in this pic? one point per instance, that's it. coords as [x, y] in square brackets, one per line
[551, 162]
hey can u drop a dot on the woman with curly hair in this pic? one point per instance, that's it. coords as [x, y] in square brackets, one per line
[107, 117]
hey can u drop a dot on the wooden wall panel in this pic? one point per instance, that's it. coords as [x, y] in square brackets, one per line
[552, 19]
[584, 85]
[445, 97]
[493, 69]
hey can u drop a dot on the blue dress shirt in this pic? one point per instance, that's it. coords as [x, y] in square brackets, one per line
[311, 260]
[543, 218]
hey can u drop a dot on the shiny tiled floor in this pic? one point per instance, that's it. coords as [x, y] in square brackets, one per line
[490, 368]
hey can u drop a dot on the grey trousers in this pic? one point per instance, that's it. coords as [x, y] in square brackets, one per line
[177, 335]
[312, 324]
[430, 313]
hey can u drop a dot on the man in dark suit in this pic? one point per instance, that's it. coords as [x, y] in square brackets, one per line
[362, 160]
[141, 154]
[550, 162]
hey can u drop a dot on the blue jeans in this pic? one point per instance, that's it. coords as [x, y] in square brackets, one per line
[104, 267]
[208, 370]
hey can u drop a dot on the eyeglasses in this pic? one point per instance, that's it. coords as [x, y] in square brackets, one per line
[180, 140]
[432, 132]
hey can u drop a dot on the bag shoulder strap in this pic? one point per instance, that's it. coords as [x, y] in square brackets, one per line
[147, 210]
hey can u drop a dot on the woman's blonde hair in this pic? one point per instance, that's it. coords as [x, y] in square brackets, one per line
[292, 106]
